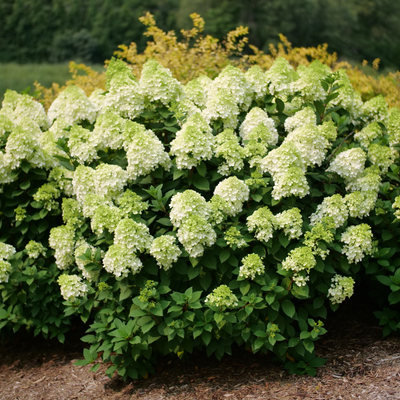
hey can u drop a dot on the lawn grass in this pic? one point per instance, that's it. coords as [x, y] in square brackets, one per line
[19, 76]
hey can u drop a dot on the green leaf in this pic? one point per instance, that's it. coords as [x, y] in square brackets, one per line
[288, 308]
[300, 292]
[283, 240]
[164, 221]
[385, 280]
[25, 185]
[193, 272]
[201, 183]
[394, 297]
[202, 169]
[280, 105]
[224, 255]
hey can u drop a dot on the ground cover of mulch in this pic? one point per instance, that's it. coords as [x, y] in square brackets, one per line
[361, 365]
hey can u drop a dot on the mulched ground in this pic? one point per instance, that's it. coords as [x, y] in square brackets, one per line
[361, 365]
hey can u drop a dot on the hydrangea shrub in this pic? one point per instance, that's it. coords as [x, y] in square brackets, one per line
[171, 217]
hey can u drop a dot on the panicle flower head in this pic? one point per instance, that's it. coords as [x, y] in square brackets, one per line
[80, 144]
[234, 238]
[235, 192]
[280, 77]
[333, 206]
[63, 178]
[375, 109]
[360, 204]
[349, 164]
[193, 143]
[368, 134]
[188, 203]
[72, 287]
[20, 214]
[91, 202]
[252, 266]
[71, 212]
[395, 205]
[157, 83]
[61, 239]
[133, 236]
[98, 98]
[368, 181]
[305, 116]
[229, 149]
[258, 82]
[392, 123]
[221, 105]
[358, 242]
[309, 83]
[105, 217]
[291, 222]
[219, 209]
[23, 104]
[321, 232]
[109, 180]
[196, 90]
[263, 222]
[195, 233]
[382, 156]
[124, 96]
[119, 261]
[290, 182]
[5, 271]
[300, 259]
[47, 194]
[6, 251]
[83, 182]
[341, 288]
[73, 106]
[165, 250]
[222, 297]
[35, 249]
[145, 153]
[108, 131]
[131, 203]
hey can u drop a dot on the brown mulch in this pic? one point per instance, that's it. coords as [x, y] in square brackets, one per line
[361, 365]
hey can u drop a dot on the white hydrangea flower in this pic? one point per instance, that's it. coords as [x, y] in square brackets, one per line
[73, 106]
[221, 105]
[392, 123]
[348, 98]
[105, 217]
[291, 182]
[291, 222]
[6, 175]
[368, 181]
[258, 82]
[98, 98]
[235, 192]
[349, 164]
[124, 95]
[222, 297]
[132, 235]
[108, 131]
[220, 209]
[193, 143]
[63, 177]
[5, 271]
[195, 233]
[6, 251]
[145, 153]
[280, 77]
[360, 204]
[184, 109]
[47, 194]
[6, 125]
[91, 202]
[299, 261]
[341, 288]
[23, 104]
[61, 240]
[234, 238]
[309, 83]
[109, 180]
[185, 204]
[83, 182]
[165, 251]
[197, 89]
[375, 109]
[252, 266]
[234, 81]
[72, 287]
[229, 149]
[253, 120]
[120, 262]
[71, 212]
[368, 134]
[157, 84]
[81, 145]
[333, 206]
[395, 205]
[305, 116]
[80, 250]
[382, 156]
[358, 242]
[263, 222]
[131, 203]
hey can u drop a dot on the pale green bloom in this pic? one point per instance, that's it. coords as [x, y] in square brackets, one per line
[80, 250]
[71, 287]
[47, 194]
[321, 231]
[229, 149]
[341, 288]
[280, 77]
[305, 116]
[235, 192]
[358, 242]
[119, 261]
[258, 82]
[109, 180]
[196, 90]
[71, 212]
[61, 239]
[131, 203]
[35, 249]
[333, 206]
[20, 214]
[108, 131]
[299, 261]
[5, 271]
[222, 297]
[382, 156]
[132, 235]
[291, 222]
[360, 204]
[234, 238]
[252, 266]
[375, 109]
[263, 222]
[349, 164]
[165, 251]
[105, 217]
[6, 251]
[80, 145]
[368, 134]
